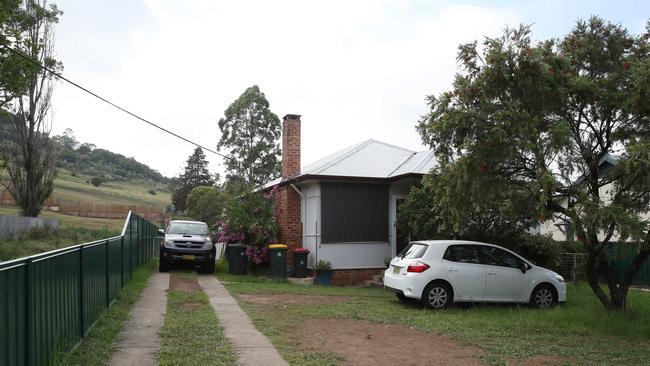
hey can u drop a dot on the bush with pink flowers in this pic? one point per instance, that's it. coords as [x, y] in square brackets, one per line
[249, 218]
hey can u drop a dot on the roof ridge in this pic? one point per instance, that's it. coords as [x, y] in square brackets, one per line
[356, 149]
[393, 146]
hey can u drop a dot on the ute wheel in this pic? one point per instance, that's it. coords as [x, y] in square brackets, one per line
[208, 267]
[437, 295]
[163, 265]
[401, 297]
[543, 297]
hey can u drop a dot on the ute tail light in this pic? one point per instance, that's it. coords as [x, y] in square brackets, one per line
[417, 267]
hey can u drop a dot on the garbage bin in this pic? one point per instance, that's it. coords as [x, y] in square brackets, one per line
[300, 262]
[278, 253]
[236, 254]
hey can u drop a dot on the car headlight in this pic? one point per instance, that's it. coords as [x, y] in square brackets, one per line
[559, 278]
[169, 243]
[207, 244]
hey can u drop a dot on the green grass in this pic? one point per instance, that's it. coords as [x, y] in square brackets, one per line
[39, 240]
[71, 189]
[581, 330]
[97, 347]
[191, 334]
[67, 221]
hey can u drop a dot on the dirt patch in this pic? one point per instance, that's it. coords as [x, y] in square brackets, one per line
[184, 283]
[292, 299]
[364, 343]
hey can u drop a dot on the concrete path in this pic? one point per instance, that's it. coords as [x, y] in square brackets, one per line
[252, 347]
[140, 339]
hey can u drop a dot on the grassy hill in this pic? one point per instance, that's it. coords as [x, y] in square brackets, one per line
[71, 188]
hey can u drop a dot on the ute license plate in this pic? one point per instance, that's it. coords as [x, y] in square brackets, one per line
[188, 257]
[396, 269]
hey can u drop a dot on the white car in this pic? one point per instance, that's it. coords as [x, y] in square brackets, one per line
[441, 272]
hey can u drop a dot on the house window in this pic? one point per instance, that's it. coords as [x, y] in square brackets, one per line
[353, 212]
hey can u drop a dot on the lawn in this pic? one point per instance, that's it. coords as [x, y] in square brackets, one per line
[191, 334]
[97, 347]
[73, 230]
[579, 332]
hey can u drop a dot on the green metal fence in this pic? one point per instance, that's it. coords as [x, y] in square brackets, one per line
[623, 255]
[49, 301]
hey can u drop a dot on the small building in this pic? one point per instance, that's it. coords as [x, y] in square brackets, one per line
[344, 207]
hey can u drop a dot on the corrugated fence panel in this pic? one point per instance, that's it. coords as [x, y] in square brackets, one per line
[49, 301]
[623, 255]
[114, 267]
[94, 282]
[13, 323]
[54, 298]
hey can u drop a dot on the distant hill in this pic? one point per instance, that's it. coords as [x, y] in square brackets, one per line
[84, 159]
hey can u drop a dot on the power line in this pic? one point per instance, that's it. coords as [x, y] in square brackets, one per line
[61, 77]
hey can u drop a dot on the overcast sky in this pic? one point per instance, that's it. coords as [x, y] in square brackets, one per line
[353, 69]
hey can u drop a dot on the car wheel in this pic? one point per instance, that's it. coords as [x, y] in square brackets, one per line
[163, 265]
[543, 297]
[401, 297]
[437, 295]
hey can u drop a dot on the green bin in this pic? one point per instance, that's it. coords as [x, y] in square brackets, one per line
[237, 260]
[278, 254]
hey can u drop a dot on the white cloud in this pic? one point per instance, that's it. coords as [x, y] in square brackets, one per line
[354, 70]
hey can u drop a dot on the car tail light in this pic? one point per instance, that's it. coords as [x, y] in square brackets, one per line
[417, 267]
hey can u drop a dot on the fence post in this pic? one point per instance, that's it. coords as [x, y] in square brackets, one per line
[108, 276]
[81, 291]
[28, 313]
[131, 247]
[122, 261]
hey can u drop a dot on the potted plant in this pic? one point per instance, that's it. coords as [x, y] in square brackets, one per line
[387, 261]
[323, 271]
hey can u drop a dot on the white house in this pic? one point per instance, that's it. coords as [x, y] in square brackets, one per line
[344, 207]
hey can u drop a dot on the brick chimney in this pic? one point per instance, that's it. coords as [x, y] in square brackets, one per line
[287, 200]
[290, 145]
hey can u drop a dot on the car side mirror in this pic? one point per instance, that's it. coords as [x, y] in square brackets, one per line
[523, 267]
[161, 232]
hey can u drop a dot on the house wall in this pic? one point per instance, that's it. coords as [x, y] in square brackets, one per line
[358, 255]
[552, 226]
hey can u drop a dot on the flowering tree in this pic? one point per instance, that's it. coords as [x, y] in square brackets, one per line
[249, 218]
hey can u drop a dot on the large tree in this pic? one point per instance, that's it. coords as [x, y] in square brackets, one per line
[535, 120]
[196, 174]
[249, 135]
[30, 156]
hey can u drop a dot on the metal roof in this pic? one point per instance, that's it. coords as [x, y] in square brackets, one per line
[369, 159]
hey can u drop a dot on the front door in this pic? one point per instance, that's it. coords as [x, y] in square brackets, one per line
[401, 233]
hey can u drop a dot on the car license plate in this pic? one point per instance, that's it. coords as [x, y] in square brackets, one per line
[188, 257]
[396, 269]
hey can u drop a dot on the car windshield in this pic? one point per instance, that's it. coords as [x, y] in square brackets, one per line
[413, 251]
[189, 228]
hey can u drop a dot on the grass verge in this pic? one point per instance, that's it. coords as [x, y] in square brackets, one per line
[191, 334]
[39, 240]
[72, 221]
[579, 332]
[97, 347]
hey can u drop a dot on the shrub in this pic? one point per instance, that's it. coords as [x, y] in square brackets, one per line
[96, 181]
[152, 192]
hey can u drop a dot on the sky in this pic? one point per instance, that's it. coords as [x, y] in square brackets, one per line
[354, 70]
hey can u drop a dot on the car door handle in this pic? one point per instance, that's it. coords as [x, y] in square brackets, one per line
[452, 270]
[492, 273]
